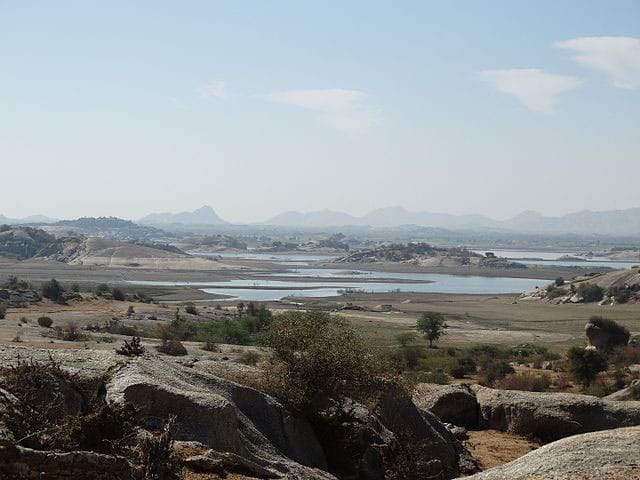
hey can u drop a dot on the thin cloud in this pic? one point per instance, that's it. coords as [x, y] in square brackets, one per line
[340, 109]
[534, 88]
[213, 90]
[617, 57]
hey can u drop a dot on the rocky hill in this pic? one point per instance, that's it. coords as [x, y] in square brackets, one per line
[424, 254]
[202, 216]
[107, 227]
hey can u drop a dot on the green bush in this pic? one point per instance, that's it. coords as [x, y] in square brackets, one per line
[45, 322]
[495, 370]
[102, 289]
[52, 290]
[463, 366]
[618, 334]
[555, 292]
[191, 309]
[590, 292]
[585, 365]
[317, 357]
[619, 294]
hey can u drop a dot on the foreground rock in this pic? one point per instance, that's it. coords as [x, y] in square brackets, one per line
[222, 415]
[611, 454]
[632, 392]
[550, 416]
[546, 416]
[24, 463]
[455, 404]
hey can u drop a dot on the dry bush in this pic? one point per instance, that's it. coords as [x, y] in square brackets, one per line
[39, 407]
[3, 311]
[250, 358]
[210, 346]
[528, 381]
[155, 454]
[172, 347]
[626, 355]
[109, 429]
[131, 349]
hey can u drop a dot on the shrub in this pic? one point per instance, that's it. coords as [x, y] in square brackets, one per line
[555, 292]
[495, 370]
[118, 295]
[559, 281]
[317, 357]
[405, 338]
[157, 462]
[13, 283]
[52, 290]
[529, 382]
[102, 289]
[191, 309]
[618, 334]
[105, 430]
[411, 357]
[590, 292]
[586, 364]
[71, 333]
[463, 367]
[439, 378]
[3, 311]
[45, 322]
[130, 310]
[75, 287]
[172, 347]
[133, 349]
[210, 346]
[250, 358]
[619, 294]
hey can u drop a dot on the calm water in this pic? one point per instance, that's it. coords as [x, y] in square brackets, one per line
[379, 282]
[533, 257]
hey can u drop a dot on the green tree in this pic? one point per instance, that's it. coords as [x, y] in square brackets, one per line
[432, 326]
[317, 357]
[405, 338]
[586, 364]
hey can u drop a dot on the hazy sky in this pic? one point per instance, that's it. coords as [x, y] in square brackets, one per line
[123, 108]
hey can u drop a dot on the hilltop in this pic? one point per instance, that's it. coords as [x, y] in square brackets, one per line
[202, 216]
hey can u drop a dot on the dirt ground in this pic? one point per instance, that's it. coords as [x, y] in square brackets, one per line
[492, 447]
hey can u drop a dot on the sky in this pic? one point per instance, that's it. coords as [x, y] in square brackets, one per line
[125, 108]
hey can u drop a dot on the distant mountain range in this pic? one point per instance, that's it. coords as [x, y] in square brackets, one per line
[612, 222]
[30, 219]
[202, 216]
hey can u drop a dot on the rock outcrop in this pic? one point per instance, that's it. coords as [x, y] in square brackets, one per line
[550, 416]
[611, 454]
[222, 415]
[454, 404]
[632, 392]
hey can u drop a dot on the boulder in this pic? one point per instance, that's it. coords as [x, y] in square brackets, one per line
[222, 415]
[611, 454]
[632, 392]
[25, 463]
[550, 416]
[364, 442]
[454, 404]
